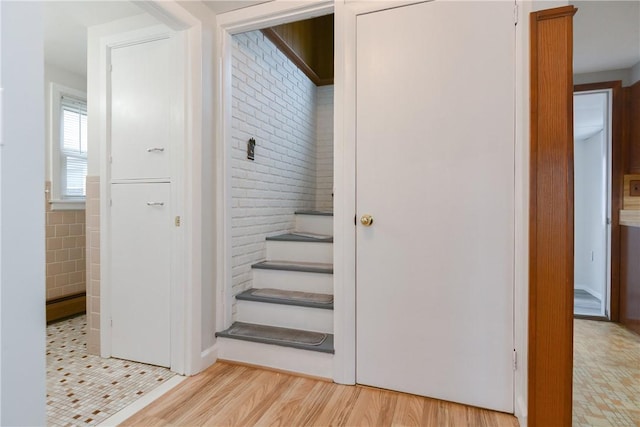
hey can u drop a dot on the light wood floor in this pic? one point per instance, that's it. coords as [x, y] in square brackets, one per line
[235, 395]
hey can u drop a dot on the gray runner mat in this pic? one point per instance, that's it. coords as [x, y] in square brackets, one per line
[293, 295]
[312, 235]
[275, 334]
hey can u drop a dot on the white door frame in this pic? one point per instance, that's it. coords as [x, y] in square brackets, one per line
[606, 304]
[187, 355]
[227, 24]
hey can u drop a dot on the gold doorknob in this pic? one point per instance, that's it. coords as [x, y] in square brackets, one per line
[366, 220]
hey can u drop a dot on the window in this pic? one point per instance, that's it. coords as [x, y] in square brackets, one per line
[68, 149]
[73, 148]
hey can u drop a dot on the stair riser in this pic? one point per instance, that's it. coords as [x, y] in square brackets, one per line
[300, 251]
[293, 281]
[318, 224]
[285, 316]
[276, 357]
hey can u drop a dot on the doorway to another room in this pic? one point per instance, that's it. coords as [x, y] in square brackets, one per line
[279, 152]
[592, 203]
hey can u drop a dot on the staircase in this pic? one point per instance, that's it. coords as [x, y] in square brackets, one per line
[286, 320]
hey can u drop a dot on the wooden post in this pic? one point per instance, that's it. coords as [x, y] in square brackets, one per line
[551, 219]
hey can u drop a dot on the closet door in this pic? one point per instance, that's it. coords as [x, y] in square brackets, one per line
[143, 80]
[435, 197]
[140, 272]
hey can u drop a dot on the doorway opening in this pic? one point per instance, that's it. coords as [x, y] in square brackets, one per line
[280, 167]
[592, 202]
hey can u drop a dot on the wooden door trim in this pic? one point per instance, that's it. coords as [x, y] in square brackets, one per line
[617, 184]
[551, 219]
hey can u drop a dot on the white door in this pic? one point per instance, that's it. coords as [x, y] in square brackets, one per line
[435, 170]
[143, 81]
[140, 272]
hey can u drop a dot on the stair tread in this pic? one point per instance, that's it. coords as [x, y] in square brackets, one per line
[312, 212]
[310, 267]
[284, 297]
[286, 337]
[302, 237]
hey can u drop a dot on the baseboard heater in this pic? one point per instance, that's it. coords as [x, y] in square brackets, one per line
[70, 305]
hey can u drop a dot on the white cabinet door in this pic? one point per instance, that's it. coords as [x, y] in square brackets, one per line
[143, 81]
[140, 272]
[435, 169]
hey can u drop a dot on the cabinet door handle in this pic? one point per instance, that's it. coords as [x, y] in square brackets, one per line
[155, 203]
[155, 150]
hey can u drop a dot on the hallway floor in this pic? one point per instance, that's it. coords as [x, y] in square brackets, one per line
[606, 375]
[84, 390]
[237, 395]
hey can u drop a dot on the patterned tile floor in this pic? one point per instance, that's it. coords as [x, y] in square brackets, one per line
[606, 375]
[84, 390]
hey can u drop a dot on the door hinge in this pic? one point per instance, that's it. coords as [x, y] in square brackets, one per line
[111, 67]
[111, 322]
[515, 360]
[515, 14]
[110, 202]
[177, 221]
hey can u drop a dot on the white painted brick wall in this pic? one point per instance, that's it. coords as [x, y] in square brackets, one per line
[324, 159]
[275, 103]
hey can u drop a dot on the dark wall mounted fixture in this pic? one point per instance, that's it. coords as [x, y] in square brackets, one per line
[251, 149]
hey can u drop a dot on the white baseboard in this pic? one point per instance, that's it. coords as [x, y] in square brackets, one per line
[521, 412]
[208, 357]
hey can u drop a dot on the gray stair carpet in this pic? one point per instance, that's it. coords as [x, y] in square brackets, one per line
[309, 267]
[295, 338]
[302, 237]
[280, 296]
[311, 212]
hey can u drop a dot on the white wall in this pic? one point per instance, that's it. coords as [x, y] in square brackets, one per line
[635, 74]
[324, 161]
[590, 214]
[54, 74]
[273, 102]
[604, 76]
[22, 260]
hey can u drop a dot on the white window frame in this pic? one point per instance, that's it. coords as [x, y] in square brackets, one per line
[55, 108]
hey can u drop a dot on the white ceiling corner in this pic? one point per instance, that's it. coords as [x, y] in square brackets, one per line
[65, 29]
[606, 35]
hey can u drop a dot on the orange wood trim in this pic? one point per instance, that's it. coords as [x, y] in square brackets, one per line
[558, 12]
[67, 306]
[626, 127]
[281, 44]
[633, 123]
[617, 183]
[551, 219]
[630, 279]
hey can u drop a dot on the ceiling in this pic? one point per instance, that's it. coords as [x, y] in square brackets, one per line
[606, 35]
[65, 29]
[66, 23]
